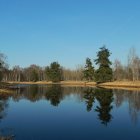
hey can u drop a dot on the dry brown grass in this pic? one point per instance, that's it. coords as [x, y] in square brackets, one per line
[117, 84]
[84, 83]
[5, 91]
[135, 84]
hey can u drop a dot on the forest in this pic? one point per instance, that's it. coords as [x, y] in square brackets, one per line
[99, 70]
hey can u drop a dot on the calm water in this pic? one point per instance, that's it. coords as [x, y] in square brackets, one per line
[70, 113]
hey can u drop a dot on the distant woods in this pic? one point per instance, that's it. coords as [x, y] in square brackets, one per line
[130, 71]
[55, 72]
[34, 73]
[101, 69]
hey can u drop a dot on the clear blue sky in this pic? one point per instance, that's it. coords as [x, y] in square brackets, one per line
[67, 31]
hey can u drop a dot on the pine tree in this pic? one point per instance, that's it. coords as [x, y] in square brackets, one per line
[89, 70]
[104, 72]
[54, 72]
[34, 76]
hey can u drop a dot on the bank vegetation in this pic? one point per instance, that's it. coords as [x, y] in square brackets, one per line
[101, 71]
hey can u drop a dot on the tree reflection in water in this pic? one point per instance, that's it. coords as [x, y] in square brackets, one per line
[4, 132]
[97, 99]
[54, 94]
[104, 98]
[133, 99]
[90, 98]
[3, 105]
[34, 94]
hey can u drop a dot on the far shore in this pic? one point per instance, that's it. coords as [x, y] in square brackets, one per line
[115, 84]
[72, 83]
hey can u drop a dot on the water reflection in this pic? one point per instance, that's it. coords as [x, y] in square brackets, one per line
[90, 98]
[97, 100]
[105, 99]
[3, 106]
[54, 94]
[133, 99]
[104, 107]
[4, 132]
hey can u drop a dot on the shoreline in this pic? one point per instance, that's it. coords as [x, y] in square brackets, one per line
[72, 83]
[7, 91]
[124, 84]
[115, 85]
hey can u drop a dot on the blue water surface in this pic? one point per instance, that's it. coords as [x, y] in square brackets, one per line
[41, 112]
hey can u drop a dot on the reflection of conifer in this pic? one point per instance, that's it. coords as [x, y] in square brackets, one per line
[3, 106]
[54, 94]
[105, 98]
[90, 98]
[33, 93]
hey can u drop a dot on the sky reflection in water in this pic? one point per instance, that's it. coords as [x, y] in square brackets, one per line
[55, 112]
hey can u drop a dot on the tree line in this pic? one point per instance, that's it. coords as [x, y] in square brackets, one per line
[55, 72]
[99, 70]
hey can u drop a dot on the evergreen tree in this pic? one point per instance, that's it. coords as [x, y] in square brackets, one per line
[104, 72]
[54, 72]
[89, 70]
[34, 76]
[3, 64]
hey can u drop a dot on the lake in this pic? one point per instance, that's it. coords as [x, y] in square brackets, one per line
[41, 112]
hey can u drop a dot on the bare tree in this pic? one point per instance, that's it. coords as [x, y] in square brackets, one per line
[134, 64]
[118, 70]
[74, 75]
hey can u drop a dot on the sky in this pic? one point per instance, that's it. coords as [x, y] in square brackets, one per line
[68, 31]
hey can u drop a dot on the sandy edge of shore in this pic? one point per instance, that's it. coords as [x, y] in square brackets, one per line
[116, 84]
[6, 91]
[72, 83]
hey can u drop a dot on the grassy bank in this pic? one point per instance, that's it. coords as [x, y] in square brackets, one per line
[116, 84]
[5, 88]
[72, 83]
[127, 84]
[5, 91]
